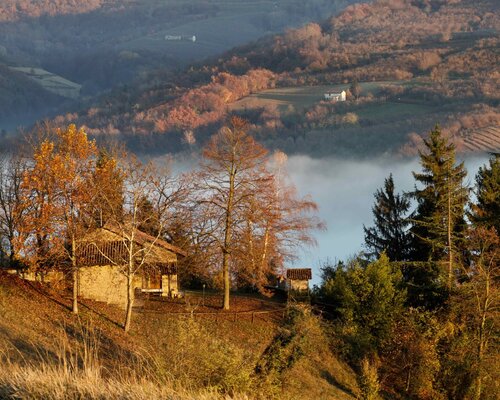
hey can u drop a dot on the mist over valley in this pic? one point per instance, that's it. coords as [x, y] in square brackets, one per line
[344, 189]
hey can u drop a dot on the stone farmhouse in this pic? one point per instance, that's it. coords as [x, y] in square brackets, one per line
[335, 96]
[103, 254]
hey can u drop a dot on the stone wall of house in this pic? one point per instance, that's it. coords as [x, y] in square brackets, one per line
[172, 285]
[105, 283]
[299, 285]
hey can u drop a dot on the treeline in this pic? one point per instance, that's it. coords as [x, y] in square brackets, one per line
[236, 216]
[417, 312]
[198, 107]
[12, 10]
[361, 40]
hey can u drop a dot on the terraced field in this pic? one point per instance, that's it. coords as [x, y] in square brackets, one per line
[484, 139]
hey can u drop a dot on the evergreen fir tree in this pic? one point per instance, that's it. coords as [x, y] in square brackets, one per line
[389, 233]
[486, 211]
[439, 218]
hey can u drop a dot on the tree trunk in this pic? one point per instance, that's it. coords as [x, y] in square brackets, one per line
[227, 282]
[75, 274]
[408, 380]
[482, 340]
[130, 301]
[250, 242]
[450, 251]
[264, 255]
[227, 239]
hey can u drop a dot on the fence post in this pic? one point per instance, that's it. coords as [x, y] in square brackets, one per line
[252, 316]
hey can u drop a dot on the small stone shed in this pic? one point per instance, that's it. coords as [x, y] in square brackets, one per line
[298, 279]
[102, 256]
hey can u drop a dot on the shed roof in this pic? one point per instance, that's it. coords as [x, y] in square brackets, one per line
[108, 244]
[142, 238]
[299, 273]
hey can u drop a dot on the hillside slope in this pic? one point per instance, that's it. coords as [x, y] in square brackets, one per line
[114, 41]
[44, 348]
[441, 69]
[20, 97]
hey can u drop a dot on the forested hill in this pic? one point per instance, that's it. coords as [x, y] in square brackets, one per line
[101, 44]
[433, 61]
[13, 10]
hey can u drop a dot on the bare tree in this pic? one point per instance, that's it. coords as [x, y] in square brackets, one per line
[482, 297]
[142, 184]
[12, 206]
[248, 218]
[277, 224]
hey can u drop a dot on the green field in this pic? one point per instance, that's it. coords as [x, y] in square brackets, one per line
[299, 98]
[387, 111]
[51, 82]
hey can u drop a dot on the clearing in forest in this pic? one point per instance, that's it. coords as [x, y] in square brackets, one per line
[300, 97]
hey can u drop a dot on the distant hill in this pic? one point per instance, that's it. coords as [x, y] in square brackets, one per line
[102, 43]
[23, 98]
[14, 10]
[435, 61]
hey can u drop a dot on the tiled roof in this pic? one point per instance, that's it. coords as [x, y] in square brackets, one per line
[299, 273]
[142, 238]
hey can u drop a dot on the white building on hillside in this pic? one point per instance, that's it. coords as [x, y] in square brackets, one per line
[335, 96]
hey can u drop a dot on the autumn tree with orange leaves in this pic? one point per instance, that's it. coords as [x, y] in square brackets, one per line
[57, 189]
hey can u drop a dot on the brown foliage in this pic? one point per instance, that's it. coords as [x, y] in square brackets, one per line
[12, 10]
[250, 219]
[56, 190]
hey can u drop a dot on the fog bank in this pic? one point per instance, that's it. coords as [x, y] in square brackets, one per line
[344, 192]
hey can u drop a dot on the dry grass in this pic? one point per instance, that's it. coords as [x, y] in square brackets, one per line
[78, 373]
[53, 382]
[48, 353]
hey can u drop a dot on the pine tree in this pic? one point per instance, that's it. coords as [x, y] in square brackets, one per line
[389, 234]
[486, 211]
[439, 218]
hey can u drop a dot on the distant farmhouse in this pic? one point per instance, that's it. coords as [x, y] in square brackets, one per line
[51, 82]
[297, 279]
[102, 255]
[335, 96]
[296, 284]
[180, 37]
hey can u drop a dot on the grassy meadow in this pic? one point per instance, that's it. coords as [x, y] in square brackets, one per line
[300, 98]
